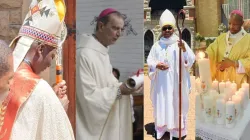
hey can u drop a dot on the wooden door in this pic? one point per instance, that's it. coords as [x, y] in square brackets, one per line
[69, 53]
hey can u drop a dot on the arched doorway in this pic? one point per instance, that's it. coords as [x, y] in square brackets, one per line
[186, 36]
[148, 43]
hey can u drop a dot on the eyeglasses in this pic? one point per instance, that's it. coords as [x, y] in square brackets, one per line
[167, 28]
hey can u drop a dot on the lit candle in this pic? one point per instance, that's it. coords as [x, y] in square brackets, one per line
[241, 93]
[244, 97]
[246, 86]
[208, 108]
[193, 88]
[215, 85]
[230, 114]
[228, 93]
[220, 111]
[215, 95]
[234, 87]
[222, 85]
[223, 96]
[236, 100]
[204, 70]
[228, 84]
[198, 108]
[198, 84]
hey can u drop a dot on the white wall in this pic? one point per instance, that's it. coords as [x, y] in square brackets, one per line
[127, 53]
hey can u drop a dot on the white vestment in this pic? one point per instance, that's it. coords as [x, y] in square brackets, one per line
[42, 117]
[165, 87]
[100, 115]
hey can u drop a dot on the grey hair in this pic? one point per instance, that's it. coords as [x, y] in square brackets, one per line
[105, 19]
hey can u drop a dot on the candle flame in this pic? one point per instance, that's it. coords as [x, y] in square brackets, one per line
[201, 55]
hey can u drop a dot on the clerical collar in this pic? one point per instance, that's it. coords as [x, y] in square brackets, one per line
[237, 34]
[98, 40]
[98, 46]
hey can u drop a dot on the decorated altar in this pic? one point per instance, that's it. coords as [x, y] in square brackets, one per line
[222, 109]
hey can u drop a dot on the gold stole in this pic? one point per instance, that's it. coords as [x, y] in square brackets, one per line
[24, 82]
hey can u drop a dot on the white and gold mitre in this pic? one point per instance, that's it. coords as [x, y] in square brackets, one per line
[167, 18]
[44, 22]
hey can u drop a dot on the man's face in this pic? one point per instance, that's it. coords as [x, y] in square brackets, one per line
[113, 29]
[235, 24]
[167, 31]
[5, 80]
[44, 56]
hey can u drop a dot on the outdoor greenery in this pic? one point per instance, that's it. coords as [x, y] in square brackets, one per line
[222, 28]
[199, 37]
[209, 41]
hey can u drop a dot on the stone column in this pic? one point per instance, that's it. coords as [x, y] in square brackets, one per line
[208, 16]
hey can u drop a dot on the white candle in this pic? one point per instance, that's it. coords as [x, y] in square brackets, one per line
[223, 96]
[215, 95]
[208, 108]
[215, 85]
[230, 114]
[204, 70]
[222, 85]
[193, 88]
[220, 111]
[234, 87]
[236, 100]
[244, 97]
[198, 84]
[246, 86]
[241, 93]
[228, 84]
[198, 108]
[228, 93]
